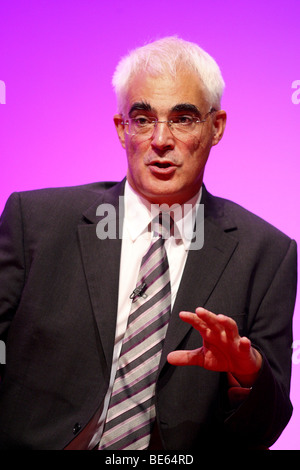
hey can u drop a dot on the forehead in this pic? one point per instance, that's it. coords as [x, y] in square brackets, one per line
[164, 92]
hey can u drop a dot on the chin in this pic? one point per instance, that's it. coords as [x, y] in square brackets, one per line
[164, 197]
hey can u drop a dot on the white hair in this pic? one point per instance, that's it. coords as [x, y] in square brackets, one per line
[169, 55]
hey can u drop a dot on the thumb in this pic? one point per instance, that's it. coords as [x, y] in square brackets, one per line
[186, 358]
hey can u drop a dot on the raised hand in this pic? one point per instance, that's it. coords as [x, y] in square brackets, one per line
[223, 349]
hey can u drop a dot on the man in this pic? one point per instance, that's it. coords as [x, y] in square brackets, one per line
[67, 293]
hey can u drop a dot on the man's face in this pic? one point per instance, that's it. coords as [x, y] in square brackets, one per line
[164, 168]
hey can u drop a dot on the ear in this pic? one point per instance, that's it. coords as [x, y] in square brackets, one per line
[219, 124]
[118, 120]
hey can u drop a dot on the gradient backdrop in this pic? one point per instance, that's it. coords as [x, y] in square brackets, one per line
[56, 128]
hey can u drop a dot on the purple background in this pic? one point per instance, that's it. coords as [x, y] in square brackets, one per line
[56, 128]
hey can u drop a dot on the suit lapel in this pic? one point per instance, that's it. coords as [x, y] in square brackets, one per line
[101, 261]
[203, 269]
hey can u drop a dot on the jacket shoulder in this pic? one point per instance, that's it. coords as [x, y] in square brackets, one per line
[61, 205]
[77, 197]
[236, 217]
[78, 191]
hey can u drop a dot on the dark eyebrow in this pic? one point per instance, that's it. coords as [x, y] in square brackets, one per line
[144, 106]
[187, 107]
[141, 106]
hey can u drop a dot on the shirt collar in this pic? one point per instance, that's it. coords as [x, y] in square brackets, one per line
[139, 214]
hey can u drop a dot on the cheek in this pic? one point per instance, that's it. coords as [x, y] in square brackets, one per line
[137, 171]
[131, 152]
[196, 145]
[136, 152]
[202, 145]
[194, 154]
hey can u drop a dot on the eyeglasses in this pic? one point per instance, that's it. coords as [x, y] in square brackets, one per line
[181, 126]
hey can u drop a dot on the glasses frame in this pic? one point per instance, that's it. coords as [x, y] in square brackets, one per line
[168, 122]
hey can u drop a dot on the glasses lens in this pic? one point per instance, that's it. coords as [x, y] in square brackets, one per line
[182, 128]
[140, 126]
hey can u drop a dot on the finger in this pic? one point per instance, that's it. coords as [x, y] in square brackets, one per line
[206, 324]
[193, 320]
[205, 315]
[186, 358]
[230, 327]
[245, 344]
[199, 325]
[222, 323]
[210, 319]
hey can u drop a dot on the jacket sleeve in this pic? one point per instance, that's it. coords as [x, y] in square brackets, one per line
[12, 265]
[261, 418]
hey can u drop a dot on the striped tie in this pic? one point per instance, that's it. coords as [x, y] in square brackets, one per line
[131, 412]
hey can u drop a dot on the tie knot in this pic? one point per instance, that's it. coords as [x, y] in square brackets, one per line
[162, 225]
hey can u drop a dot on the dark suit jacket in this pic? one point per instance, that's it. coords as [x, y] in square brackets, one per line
[58, 306]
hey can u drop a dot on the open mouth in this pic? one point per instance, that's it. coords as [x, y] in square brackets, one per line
[162, 164]
[162, 169]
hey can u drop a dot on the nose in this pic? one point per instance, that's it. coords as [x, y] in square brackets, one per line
[162, 137]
